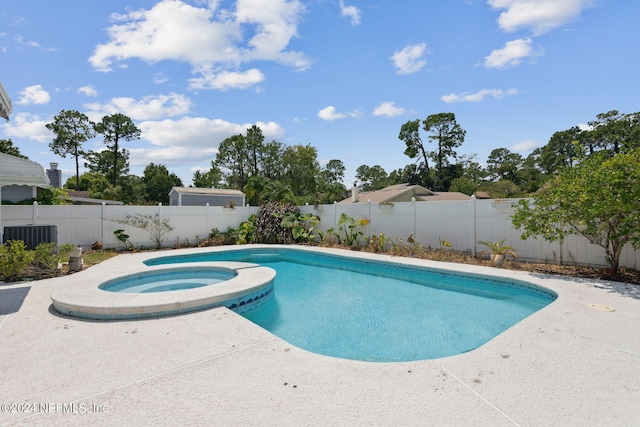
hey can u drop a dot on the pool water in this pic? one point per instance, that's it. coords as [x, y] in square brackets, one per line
[167, 281]
[373, 311]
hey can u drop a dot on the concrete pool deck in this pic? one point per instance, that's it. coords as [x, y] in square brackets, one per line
[571, 363]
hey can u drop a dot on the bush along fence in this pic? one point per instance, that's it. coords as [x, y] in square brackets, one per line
[459, 224]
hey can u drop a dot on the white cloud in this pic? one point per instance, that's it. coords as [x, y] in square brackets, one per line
[410, 59]
[171, 155]
[227, 80]
[34, 95]
[329, 114]
[539, 15]
[88, 91]
[478, 96]
[524, 146]
[350, 12]
[18, 38]
[511, 54]
[147, 108]
[388, 109]
[27, 125]
[210, 39]
[200, 132]
[160, 78]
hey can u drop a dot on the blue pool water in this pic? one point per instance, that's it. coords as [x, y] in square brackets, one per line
[167, 281]
[374, 311]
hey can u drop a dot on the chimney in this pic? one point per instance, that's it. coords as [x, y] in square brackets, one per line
[55, 175]
[354, 193]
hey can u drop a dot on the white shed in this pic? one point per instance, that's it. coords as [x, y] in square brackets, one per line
[194, 196]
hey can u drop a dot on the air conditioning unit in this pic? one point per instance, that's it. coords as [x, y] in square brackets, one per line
[32, 235]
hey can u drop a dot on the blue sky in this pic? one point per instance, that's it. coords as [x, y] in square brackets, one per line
[340, 75]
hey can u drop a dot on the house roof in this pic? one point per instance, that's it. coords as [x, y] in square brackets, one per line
[82, 198]
[18, 171]
[404, 193]
[207, 191]
[5, 103]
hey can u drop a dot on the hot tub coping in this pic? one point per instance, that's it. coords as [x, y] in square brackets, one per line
[241, 293]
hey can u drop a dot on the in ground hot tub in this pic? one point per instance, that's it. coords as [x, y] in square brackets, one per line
[160, 291]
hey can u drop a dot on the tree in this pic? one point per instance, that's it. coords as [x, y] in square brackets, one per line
[562, 150]
[448, 135]
[233, 157]
[301, 170]
[114, 129]
[598, 199]
[209, 179]
[333, 171]
[102, 162]
[255, 188]
[503, 164]
[158, 183]
[372, 178]
[7, 147]
[503, 189]
[330, 184]
[410, 134]
[72, 129]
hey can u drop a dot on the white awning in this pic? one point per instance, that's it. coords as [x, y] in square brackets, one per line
[17, 171]
[5, 103]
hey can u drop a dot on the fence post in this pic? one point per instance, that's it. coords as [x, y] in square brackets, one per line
[473, 225]
[369, 218]
[35, 212]
[413, 206]
[206, 221]
[103, 214]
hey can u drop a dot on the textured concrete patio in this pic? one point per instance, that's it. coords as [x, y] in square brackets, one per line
[571, 363]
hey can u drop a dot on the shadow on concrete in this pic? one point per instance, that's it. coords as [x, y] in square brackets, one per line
[11, 299]
[624, 289]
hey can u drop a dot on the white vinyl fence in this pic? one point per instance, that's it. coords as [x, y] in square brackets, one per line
[461, 223]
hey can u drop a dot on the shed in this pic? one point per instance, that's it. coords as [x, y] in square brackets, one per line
[194, 196]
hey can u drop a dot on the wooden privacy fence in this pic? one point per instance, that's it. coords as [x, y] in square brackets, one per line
[461, 223]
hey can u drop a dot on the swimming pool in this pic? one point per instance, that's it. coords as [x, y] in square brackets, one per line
[167, 281]
[369, 310]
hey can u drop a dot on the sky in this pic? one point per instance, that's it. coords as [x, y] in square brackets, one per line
[339, 75]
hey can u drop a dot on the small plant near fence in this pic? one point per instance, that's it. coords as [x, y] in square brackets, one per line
[124, 238]
[157, 227]
[498, 252]
[351, 228]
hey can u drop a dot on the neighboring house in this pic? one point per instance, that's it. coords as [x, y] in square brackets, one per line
[20, 178]
[82, 198]
[401, 193]
[482, 195]
[194, 196]
[5, 103]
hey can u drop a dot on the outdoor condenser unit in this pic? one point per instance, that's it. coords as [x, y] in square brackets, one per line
[32, 235]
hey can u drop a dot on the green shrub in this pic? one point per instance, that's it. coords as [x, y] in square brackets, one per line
[14, 260]
[64, 251]
[46, 255]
